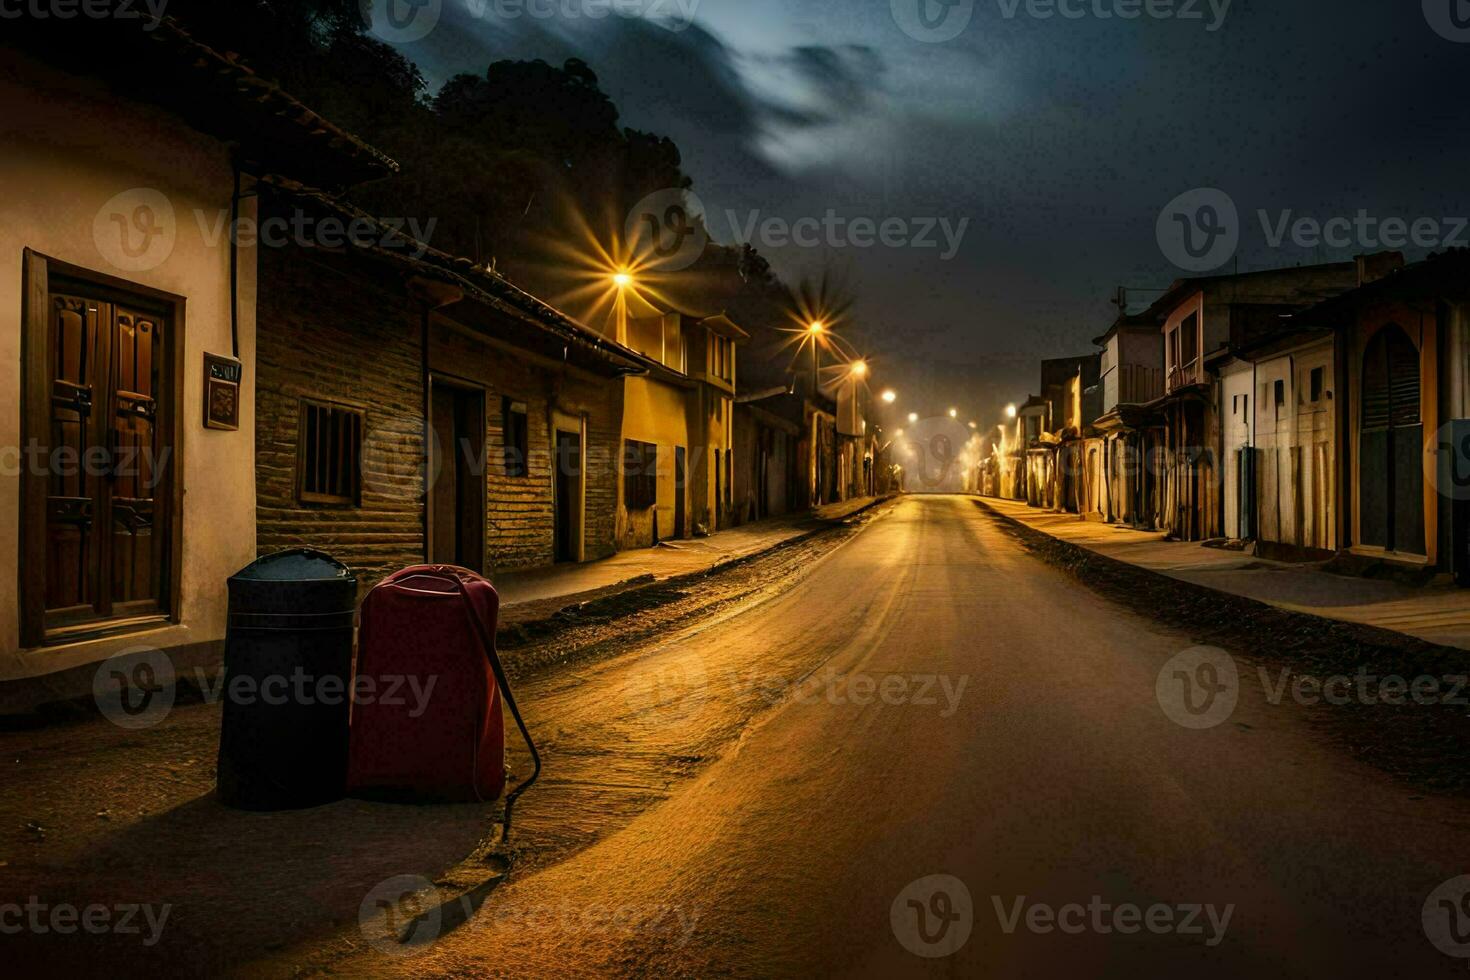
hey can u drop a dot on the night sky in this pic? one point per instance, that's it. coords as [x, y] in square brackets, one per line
[1059, 139]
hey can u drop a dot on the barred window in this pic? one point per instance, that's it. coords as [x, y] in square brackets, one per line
[516, 437]
[640, 474]
[329, 469]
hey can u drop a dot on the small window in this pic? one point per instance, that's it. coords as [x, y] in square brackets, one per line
[640, 474]
[516, 437]
[1319, 380]
[330, 470]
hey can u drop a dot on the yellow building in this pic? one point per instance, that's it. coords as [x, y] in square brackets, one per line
[678, 427]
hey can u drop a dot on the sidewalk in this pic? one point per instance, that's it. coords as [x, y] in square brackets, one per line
[1438, 613]
[669, 559]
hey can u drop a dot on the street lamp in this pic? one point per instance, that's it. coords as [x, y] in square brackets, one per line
[913, 417]
[1011, 411]
[954, 413]
[622, 279]
[815, 330]
[859, 369]
[890, 396]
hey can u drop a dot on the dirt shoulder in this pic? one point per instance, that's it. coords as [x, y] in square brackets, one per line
[95, 814]
[1421, 737]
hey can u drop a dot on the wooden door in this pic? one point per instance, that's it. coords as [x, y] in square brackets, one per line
[1391, 439]
[679, 494]
[568, 495]
[106, 510]
[457, 464]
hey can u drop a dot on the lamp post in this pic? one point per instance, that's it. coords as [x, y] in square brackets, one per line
[814, 330]
[622, 279]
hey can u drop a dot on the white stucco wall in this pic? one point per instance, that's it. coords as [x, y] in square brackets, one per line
[67, 149]
[1236, 416]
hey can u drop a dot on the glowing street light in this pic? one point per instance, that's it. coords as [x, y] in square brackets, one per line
[1010, 411]
[913, 417]
[622, 279]
[860, 369]
[954, 413]
[815, 330]
[890, 396]
[974, 426]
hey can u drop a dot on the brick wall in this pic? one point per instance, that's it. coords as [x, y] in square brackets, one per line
[324, 331]
[520, 511]
[332, 329]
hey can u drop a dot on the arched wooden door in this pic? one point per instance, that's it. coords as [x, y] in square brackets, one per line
[1391, 445]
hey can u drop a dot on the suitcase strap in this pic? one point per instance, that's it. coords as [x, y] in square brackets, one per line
[488, 644]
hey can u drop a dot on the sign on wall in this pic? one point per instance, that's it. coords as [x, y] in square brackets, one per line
[222, 377]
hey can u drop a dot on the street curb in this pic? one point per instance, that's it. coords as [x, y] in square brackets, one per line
[45, 712]
[659, 591]
[1081, 557]
[1424, 745]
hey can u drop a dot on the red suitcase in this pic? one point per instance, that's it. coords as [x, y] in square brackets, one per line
[427, 719]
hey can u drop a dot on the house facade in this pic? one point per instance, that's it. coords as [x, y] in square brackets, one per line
[413, 408]
[128, 335]
[1202, 321]
[1402, 341]
[1131, 375]
[679, 428]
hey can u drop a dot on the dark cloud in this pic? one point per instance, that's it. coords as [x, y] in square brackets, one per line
[1058, 139]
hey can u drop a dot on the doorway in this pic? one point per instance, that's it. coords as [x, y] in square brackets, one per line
[457, 466]
[679, 492]
[1391, 441]
[568, 495]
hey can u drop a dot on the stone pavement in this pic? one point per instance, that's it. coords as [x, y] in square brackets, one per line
[1438, 612]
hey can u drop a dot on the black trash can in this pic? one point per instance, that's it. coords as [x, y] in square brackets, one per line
[287, 686]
